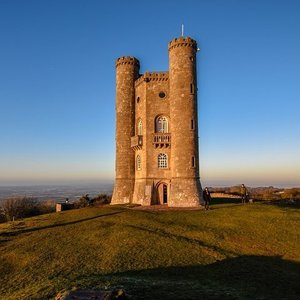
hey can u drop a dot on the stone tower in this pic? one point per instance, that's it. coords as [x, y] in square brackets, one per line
[127, 71]
[157, 131]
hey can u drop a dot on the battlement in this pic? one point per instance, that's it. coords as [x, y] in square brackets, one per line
[127, 60]
[152, 76]
[182, 42]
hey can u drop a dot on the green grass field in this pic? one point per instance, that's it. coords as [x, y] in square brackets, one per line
[232, 251]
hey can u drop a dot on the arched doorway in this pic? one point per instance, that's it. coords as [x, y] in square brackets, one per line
[162, 193]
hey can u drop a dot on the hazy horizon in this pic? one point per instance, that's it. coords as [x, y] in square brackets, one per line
[96, 183]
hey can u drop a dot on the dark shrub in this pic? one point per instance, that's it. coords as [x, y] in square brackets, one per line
[102, 199]
[84, 201]
[20, 208]
[2, 217]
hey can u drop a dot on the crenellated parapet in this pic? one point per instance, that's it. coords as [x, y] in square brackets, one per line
[152, 76]
[127, 60]
[182, 42]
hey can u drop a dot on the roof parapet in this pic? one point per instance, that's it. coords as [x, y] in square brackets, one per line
[152, 76]
[127, 60]
[182, 42]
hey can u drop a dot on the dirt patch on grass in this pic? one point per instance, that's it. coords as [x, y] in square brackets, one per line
[165, 208]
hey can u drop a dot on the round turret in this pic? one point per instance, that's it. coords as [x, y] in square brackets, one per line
[184, 124]
[127, 71]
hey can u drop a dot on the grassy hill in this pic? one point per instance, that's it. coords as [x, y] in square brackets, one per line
[230, 252]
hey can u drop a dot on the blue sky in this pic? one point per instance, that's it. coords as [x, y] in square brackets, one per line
[57, 85]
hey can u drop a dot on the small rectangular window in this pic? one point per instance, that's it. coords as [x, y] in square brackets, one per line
[192, 124]
[193, 162]
[192, 88]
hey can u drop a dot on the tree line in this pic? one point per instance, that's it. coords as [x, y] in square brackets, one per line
[261, 193]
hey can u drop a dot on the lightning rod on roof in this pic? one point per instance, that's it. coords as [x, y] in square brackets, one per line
[182, 29]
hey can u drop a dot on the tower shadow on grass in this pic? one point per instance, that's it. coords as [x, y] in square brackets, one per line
[225, 201]
[244, 277]
[284, 203]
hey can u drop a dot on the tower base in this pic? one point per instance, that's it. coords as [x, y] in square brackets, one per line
[123, 191]
[143, 192]
[185, 193]
[173, 193]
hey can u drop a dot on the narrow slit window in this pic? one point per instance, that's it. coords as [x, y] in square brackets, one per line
[192, 88]
[192, 124]
[193, 162]
[138, 163]
[140, 127]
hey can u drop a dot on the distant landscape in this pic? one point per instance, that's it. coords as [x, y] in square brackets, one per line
[74, 192]
[55, 192]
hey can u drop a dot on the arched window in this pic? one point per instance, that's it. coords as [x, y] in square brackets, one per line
[138, 163]
[140, 127]
[162, 161]
[161, 124]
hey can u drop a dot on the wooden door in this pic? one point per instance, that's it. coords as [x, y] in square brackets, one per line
[162, 194]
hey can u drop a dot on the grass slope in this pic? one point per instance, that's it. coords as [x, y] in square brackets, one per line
[230, 252]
